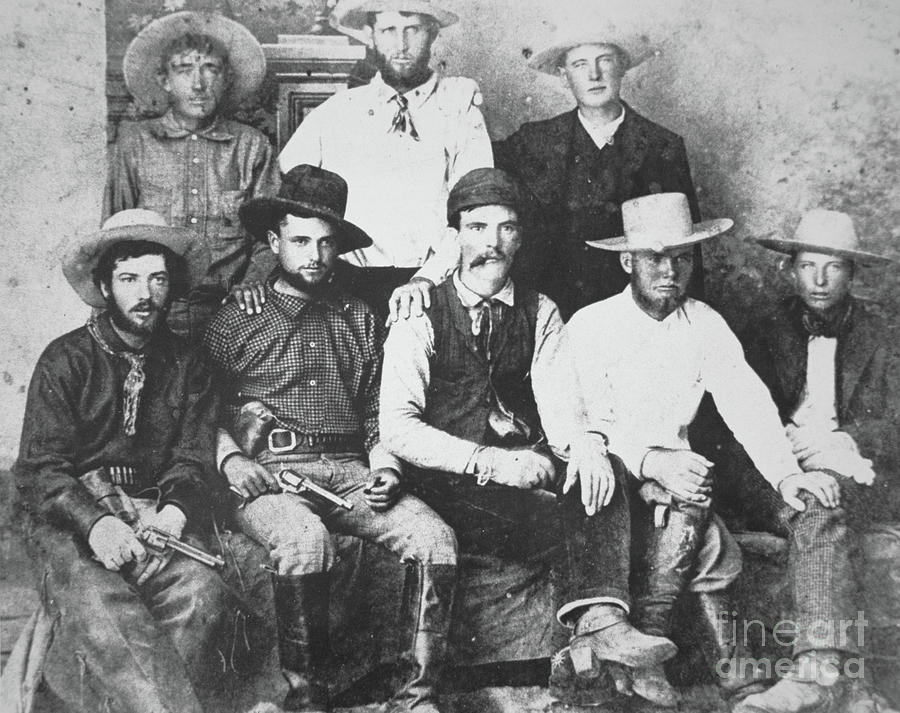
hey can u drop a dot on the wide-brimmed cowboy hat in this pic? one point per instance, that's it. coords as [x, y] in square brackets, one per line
[128, 225]
[635, 48]
[309, 191]
[660, 222]
[354, 14]
[143, 58]
[825, 231]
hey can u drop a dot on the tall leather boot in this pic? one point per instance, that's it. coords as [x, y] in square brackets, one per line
[671, 551]
[428, 596]
[301, 615]
[738, 674]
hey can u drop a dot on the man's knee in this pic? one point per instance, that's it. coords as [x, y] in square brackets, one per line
[304, 549]
[817, 525]
[428, 539]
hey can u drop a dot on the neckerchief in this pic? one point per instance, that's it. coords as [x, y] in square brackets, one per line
[829, 325]
[134, 381]
[402, 120]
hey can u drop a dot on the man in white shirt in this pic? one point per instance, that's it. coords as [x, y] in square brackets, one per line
[642, 360]
[401, 142]
[831, 363]
[469, 400]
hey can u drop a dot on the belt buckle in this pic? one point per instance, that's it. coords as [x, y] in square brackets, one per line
[292, 444]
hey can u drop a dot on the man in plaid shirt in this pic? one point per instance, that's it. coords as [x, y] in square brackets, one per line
[309, 367]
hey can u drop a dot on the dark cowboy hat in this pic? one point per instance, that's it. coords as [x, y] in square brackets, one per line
[308, 191]
[354, 13]
[128, 225]
[246, 61]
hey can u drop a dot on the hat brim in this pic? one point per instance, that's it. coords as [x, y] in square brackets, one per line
[549, 60]
[794, 246]
[355, 16]
[703, 230]
[246, 61]
[79, 262]
[260, 215]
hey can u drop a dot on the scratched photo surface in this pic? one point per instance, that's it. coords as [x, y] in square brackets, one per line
[783, 107]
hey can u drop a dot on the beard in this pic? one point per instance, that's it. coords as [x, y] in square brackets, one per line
[413, 76]
[301, 284]
[662, 307]
[124, 322]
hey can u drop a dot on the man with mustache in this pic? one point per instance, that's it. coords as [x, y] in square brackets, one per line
[832, 365]
[401, 142]
[643, 388]
[580, 166]
[192, 164]
[312, 361]
[470, 400]
[119, 434]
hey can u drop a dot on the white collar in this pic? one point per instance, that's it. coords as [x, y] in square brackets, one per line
[602, 134]
[415, 95]
[472, 300]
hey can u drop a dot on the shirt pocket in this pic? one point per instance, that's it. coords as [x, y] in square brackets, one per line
[160, 199]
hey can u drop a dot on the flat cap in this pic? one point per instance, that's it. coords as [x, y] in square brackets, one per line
[483, 186]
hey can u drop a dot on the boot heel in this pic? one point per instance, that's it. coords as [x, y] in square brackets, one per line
[584, 662]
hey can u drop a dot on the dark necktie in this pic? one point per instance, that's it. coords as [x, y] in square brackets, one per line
[402, 121]
[829, 325]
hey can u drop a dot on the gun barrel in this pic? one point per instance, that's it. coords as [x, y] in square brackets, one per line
[184, 548]
[299, 483]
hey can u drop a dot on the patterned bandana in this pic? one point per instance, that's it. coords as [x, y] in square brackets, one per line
[134, 382]
[402, 120]
[829, 325]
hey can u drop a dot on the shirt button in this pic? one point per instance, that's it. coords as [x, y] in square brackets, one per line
[194, 191]
[195, 160]
[312, 382]
[312, 344]
[193, 220]
[193, 137]
[371, 112]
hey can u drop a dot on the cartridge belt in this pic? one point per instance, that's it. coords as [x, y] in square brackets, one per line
[283, 440]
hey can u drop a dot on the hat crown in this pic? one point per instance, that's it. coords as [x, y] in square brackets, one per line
[483, 186]
[823, 229]
[657, 221]
[133, 217]
[316, 187]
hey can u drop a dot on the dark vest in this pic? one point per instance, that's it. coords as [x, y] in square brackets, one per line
[459, 397]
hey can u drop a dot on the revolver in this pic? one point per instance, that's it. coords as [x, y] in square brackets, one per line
[162, 540]
[293, 482]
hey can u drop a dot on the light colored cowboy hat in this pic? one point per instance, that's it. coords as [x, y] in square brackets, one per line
[128, 225]
[309, 191]
[660, 222]
[635, 48]
[143, 58]
[825, 231]
[353, 14]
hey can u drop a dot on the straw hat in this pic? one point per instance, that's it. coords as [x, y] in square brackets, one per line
[354, 13]
[659, 222]
[635, 48]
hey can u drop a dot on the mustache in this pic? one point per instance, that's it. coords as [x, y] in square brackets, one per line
[479, 260]
[144, 306]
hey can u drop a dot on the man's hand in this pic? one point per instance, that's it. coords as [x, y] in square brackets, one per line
[413, 298]
[249, 477]
[589, 464]
[823, 485]
[169, 519]
[517, 468]
[114, 543]
[250, 296]
[383, 489]
[682, 472]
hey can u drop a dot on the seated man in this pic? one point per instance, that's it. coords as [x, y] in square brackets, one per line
[831, 364]
[119, 436]
[466, 395]
[192, 164]
[310, 366]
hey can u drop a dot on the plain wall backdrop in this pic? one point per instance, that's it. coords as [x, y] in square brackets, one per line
[783, 105]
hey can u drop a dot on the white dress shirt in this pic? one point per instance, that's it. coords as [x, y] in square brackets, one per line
[602, 134]
[406, 375]
[398, 186]
[640, 381]
[818, 402]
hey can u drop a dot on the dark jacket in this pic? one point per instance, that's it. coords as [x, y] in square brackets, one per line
[867, 377]
[576, 191]
[74, 424]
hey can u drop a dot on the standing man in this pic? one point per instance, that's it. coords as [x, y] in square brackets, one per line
[643, 388]
[580, 166]
[832, 366]
[310, 365]
[469, 398]
[192, 164]
[120, 428]
[400, 142]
